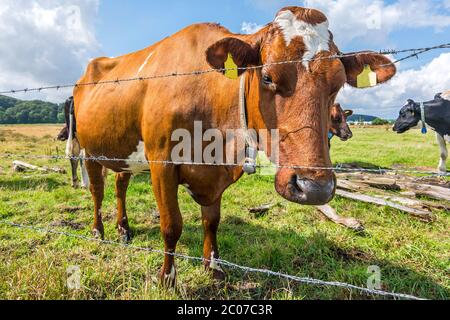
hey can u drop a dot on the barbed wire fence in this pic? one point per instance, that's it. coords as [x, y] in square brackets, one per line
[338, 168]
[415, 53]
[305, 280]
[224, 263]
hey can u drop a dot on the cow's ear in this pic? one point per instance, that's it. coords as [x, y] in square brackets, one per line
[243, 54]
[380, 64]
[348, 113]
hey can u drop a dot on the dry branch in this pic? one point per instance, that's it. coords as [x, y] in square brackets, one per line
[332, 215]
[20, 166]
[421, 214]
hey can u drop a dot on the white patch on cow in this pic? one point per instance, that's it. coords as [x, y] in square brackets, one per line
[213, 263]
[444, 152]
[137, 162]
[84, 174]
[145, 63]
[69, 145]
[171, 276]
[315, 37]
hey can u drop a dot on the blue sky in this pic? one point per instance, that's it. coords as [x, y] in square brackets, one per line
[46, 42]
[144, 22]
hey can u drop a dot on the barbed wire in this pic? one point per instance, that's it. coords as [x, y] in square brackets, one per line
[338, 168]
[415, 53]
[304, 280]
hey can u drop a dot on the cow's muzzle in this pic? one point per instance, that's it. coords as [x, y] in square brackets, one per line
[309, 192]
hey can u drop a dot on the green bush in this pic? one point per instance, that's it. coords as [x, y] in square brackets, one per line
[380, 122]
[15, 111]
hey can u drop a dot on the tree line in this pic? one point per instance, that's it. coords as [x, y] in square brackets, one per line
[15, 111]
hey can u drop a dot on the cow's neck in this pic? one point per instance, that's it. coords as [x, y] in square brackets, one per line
[437, 113]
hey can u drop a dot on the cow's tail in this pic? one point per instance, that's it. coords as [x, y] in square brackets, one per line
[70, 144]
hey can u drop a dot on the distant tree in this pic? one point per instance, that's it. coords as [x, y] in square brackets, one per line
[14, 111]
[380, 122]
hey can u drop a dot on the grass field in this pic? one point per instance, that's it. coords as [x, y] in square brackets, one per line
[413, 256]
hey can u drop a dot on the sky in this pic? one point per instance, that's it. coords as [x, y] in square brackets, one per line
[47, 42]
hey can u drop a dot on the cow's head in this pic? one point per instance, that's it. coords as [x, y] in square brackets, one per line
[295, 98]
[339, 126]
[409, 117]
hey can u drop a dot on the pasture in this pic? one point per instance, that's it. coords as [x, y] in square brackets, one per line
[413, 255]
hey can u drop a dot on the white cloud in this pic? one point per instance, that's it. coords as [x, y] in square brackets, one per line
[250, 27]
[373, 20]
[45, 42]
[387, 99]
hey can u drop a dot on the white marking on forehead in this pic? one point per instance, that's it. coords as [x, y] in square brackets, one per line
[446, 95]
[145, 63]
[137, 162]
[315, 37]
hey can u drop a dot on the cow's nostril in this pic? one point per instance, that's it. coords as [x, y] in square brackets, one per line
[315, 193]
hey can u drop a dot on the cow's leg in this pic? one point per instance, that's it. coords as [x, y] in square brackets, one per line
[122, 182]
[74, 165]
[97, 186]
[444, 154]
[84, 173]
[165, 188]
[211, 220]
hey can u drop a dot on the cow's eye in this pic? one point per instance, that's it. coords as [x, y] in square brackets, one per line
[267, 79]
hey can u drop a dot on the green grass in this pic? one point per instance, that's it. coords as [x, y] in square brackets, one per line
[413, 256]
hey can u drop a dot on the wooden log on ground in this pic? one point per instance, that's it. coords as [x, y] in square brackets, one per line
[421, 214]
[20, 166]
[404, 198]
[332, 215]
[434, 192]
[262, 210]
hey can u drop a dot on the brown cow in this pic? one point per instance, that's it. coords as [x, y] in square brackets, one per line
[135, 120]
[339, 126]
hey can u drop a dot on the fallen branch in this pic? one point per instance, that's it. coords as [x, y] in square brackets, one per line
[434, 192]
[20, 166]
[421, 214]
[262, 210]
[332, 215]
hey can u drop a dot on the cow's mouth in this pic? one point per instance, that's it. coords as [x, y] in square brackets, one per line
[400, 130]
[308, 192]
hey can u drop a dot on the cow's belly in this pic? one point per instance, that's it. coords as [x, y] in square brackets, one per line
[119, 158]
[137, 161]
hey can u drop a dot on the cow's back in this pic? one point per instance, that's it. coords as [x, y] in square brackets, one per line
[114, 119]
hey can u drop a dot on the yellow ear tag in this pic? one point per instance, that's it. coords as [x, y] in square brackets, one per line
[231, 68]
[367, 78]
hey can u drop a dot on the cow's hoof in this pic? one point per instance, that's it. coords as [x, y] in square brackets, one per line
[218, 275]
[168, 280]
[124, 234]
[98, 234]
[216, 271]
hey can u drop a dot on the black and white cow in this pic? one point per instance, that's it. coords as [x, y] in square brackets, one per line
[434, 114]
[73, 149]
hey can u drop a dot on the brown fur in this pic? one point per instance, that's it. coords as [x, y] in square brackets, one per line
[112, 119]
